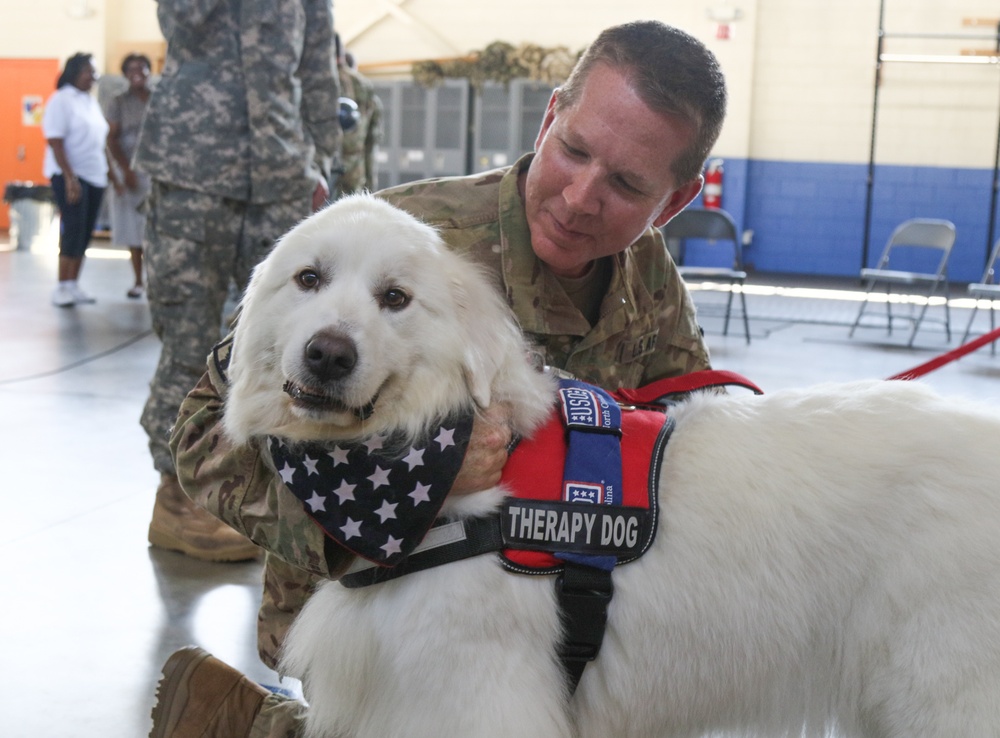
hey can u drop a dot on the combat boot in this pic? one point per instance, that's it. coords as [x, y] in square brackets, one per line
[179, 524]
[201, 696]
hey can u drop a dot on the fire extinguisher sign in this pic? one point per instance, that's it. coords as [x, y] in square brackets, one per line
[712, 192]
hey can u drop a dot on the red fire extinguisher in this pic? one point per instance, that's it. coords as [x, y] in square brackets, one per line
[712, 192]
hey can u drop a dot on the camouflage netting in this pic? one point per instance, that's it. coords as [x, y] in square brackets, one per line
[501, 62]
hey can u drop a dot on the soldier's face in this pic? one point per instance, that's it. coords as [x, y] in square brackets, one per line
[601, 174]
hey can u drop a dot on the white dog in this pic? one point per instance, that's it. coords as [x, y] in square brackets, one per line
[827, 560]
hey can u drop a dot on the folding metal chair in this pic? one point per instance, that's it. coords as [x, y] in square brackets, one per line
[715, 228]
[911, 244]
[986, 289]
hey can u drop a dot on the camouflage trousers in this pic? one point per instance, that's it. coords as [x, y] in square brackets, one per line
[196, 245]
[279, 717]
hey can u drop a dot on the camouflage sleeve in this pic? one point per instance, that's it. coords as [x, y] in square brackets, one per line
[239, 485]
[320, 88]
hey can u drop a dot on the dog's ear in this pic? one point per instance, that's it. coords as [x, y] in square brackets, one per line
[478, 372]
[484, 345]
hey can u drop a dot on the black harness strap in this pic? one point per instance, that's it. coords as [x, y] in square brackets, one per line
[584, 593]
[478, 536]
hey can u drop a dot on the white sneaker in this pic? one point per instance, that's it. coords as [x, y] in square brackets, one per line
[63, 297]
[79, 295]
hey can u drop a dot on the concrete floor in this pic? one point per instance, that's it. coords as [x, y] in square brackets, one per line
[92, 612]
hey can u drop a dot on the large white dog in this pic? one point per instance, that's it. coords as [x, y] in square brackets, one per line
[827, 560]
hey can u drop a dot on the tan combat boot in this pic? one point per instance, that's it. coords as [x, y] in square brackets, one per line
[179, 524]
[200, 696]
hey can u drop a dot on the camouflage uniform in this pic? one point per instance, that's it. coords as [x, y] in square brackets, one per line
[646, 331]
[357, 155]
[239, 130]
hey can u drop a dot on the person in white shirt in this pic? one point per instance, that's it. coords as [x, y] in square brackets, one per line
[76, 132]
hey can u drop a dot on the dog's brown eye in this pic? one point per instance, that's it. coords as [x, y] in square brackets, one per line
[395, 299]
[307, 279]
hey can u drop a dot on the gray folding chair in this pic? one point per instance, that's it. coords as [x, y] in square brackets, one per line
[715, 228]
[985, 289]
[926, 240]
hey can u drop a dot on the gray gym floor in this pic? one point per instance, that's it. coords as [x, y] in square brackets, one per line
[92, 612]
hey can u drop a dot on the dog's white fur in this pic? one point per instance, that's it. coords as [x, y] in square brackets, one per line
[827, 559]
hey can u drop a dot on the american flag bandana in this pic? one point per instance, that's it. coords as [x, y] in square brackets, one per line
[375, 498]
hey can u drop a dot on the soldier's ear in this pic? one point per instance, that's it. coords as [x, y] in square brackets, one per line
[678, 200]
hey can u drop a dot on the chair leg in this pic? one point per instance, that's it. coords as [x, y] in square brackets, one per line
[972, 317]
[888, 307]
[729, 310]
[864, 304]
[947, 314]
[993, 345]
[746, 319]
[916, 324]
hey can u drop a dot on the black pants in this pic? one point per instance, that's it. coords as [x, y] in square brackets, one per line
[76, 220]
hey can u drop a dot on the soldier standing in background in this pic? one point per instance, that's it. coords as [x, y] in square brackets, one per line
[239, 140]
[361, 138]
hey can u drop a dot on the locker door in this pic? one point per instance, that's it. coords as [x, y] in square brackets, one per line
[25, 85]
[494, 129]
[449, 121]
[387, 171]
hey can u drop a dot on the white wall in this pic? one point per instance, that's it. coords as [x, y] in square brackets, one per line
[813, 85]
[57, 29]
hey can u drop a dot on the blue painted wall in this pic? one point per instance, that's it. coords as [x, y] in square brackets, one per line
[808, 218]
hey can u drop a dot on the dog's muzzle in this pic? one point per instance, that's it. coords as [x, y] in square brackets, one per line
[322, 402]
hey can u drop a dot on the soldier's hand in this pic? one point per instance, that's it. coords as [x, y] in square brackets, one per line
[487, 451]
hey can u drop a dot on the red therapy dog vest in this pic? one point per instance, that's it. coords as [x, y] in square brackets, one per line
[539, 524]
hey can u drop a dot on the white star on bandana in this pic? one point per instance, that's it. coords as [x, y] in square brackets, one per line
[420, 493]
[387, 511]
[446, 437]
[287, 473]
[374, 443]
[393, 545]
[380, 478]
[415, 458]
[316, 502]
[345, 491]
[352, 529]
[310, 465]
[339, 455]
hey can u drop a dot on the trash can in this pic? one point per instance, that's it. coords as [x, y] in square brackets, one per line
[32, 209]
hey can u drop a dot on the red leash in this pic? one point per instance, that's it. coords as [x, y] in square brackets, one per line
[947, 358]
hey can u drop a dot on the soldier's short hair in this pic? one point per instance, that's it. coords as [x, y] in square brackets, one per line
[673, 73]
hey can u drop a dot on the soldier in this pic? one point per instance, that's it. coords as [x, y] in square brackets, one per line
[570, 233]
[236, 159]
[363, 134]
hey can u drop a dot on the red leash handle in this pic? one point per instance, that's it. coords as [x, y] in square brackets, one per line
[685, 383]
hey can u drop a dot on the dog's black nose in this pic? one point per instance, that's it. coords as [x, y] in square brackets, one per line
[330, 356]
